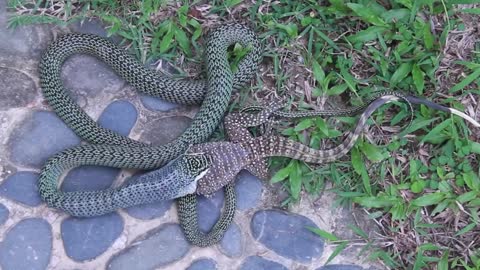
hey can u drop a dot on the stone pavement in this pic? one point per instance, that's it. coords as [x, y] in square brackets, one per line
[33, 236]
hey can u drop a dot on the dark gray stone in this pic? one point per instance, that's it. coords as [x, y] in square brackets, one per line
[84, 75]
[248, 189]
[209, 210]
[3, 214]
[18, 90]
[203, 264]
[89, 178]
[287, 235]
[39, 137]
[90, 26]
[150, 210]
[29, 41]
[259, 263]
[164, 130]
[231, 243]
[86, 238]
[157, 104]
[22, 187]
[120, 116]
[28, 245]
[159, 247]
[340, 267]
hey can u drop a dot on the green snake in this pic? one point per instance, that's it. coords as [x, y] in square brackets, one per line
[110, 149]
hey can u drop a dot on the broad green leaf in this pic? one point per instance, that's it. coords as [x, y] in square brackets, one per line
[357, 161]
[468, 196]
[428, 199]
[475, 147]
[472, 180]
[443, 263]
[436, 130]
[318, 72]
[166, 41]
[376, 201]
[462, 2]
[323, 234]
[466, 229]
[465, 82]
[416, 125]
[400, 74]
[322, 126]
[291, 29]
[282, 174]
[337, 251]
[400, 14]
[327, 39]
[337, 89]
[372, 152]
[366, 35]
[304, 124]
[366, 14]
[349, 79]
[358, 231]
[295, 180]
[427, 36]
[475, 11]
[418, 186]
[366, 181]
[418, 78]
[183, 41]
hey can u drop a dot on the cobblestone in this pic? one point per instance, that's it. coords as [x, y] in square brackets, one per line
[287, 235]
[22, 187]
[28, 245]
[86, 238]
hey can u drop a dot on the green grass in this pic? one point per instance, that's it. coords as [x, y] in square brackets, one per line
[422, 187]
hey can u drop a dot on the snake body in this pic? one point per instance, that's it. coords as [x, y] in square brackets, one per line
[108, 148]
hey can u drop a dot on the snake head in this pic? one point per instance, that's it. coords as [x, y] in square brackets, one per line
[197, 164]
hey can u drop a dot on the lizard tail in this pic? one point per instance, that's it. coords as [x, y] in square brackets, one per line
[279, 146]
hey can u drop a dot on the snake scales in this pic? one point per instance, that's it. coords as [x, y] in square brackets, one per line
[111, 149]
[108, 148]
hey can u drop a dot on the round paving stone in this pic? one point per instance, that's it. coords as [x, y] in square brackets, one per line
[287, 235]
[39, 137]
[259, 263]
[22, 187]
[29, 40]
[28, 245]
[18, 89]
[3, 214]
[91, 26]
[150, 210]
[248, 189]
[209, 210]
[203, 264]
[164, 130]
[231, 243]
[159, 247]
[119, 116]
[157, 104]
[340, 267]
[87, 238]
[89, 178]
[86, 75]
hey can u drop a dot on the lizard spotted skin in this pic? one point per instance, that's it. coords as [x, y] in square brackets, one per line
[247, 152]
